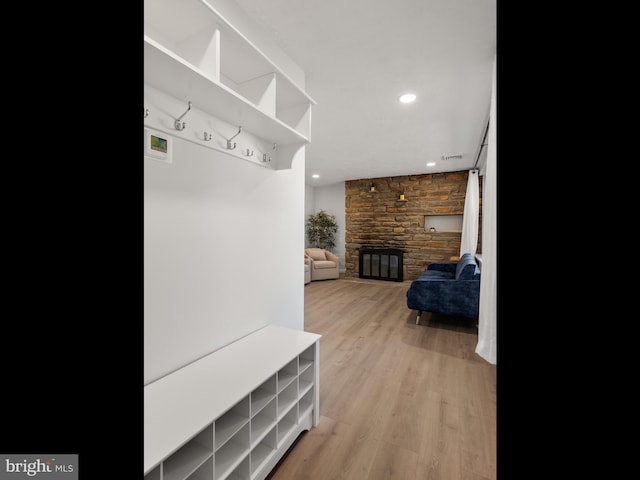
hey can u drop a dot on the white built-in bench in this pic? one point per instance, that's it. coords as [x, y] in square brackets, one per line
[235, 412]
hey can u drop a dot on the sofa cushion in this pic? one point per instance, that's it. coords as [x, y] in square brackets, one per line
[318, 264]
[429, 274]
[316, 253]
[466, 268]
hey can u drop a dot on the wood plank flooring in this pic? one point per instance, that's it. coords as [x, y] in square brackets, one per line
[397, 400]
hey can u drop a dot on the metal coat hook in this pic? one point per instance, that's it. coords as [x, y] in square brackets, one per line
[249, 153]
[178, 125]
[146, 112]
[207, 136]
[229, 146]
[267, 158]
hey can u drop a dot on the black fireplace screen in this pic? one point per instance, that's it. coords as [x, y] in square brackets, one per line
[381, 264]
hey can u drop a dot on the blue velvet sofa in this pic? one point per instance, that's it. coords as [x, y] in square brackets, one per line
[451, 288]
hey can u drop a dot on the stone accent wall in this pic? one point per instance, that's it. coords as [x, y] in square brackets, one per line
[380, 219]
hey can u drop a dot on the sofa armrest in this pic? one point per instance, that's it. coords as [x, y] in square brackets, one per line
[332, 256]
[449, 267]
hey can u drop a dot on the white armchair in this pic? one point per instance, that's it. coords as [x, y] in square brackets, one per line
[324, 264]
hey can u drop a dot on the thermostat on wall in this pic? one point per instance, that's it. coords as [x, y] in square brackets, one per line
[157, 145]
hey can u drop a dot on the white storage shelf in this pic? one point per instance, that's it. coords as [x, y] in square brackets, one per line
[190, 457]
[232, 453]
[259, 399]
[287, 398]
[306, 402]
[255, 409]
[194, 54]
[227, 426]
[287, 425]
[262, 423]
[153, 474]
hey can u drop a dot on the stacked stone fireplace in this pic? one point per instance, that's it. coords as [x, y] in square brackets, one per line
[393, 218]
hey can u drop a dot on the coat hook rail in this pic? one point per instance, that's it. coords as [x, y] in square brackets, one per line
[178, 125]
[229, 145]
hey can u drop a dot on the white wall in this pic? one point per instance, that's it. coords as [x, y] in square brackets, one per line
[222, 243]
[309, 208]
[309, 201]
[331, 199]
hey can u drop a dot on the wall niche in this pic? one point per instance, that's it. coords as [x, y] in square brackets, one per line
[443, 223]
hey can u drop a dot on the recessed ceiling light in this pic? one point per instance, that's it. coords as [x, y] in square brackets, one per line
[431, 164]
[407, 98]
[315, 175]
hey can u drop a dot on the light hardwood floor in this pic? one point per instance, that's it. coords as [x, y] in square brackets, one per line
[397, 400]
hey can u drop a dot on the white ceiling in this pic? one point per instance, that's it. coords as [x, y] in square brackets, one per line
[360, 55]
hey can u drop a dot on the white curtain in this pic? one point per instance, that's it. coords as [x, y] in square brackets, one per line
[487, 346]
[469, 242]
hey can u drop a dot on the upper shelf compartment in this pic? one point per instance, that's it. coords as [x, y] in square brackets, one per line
[193, 53]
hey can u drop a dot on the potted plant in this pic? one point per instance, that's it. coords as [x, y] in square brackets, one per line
[321, 230]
